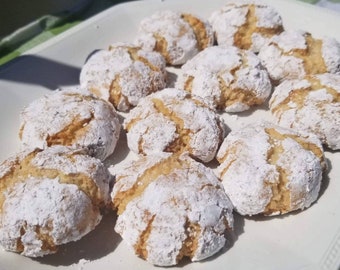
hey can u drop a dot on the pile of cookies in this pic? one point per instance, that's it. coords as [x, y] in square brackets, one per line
[171, 199]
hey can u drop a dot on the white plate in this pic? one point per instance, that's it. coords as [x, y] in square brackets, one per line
[305, 240]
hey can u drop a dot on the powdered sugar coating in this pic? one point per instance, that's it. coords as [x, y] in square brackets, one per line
[63, 220]
[331, 54]
[124, 74]
[169, 33]
[171, 121]
[71, 117]
[6, 165]
[286, 55]
[261, 22]
[184, 207]
[316, 111]
[44, 204]
[227, 78]
[262, 163]
[72, 161]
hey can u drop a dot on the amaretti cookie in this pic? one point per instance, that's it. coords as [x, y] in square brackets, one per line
[177, 36]
[270, 170]
[245, 24]
[295, 53]
[310, 105]
[49, 198]
[170, 207]
[71, 117]
[172, 121]
[124, 74]
[226, 78]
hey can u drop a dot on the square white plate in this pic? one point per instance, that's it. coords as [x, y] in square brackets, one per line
[304, 240]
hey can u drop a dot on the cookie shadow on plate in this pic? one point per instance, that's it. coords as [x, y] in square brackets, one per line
[171, 77]
[263, 107]
[233, 236]
[121, 151]
[37, 70]
[325, 178]
[95, 245]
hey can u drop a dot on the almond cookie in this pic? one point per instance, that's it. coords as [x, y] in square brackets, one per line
[310, 105]
[170, 207]
[124, 74]
[226, 78]
[177, 36]
[294, 54]
[49, 198]
[270, 170]
[71, 117]
[171, 121]
[245, 24]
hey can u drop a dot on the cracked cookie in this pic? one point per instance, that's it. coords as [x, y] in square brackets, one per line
[170, 207]
[71, 117]
[311, 104]
[270, 170]
[177, 36]
[172, 121]
[226, 78]
[245, 24]
[49, 198]
[124, 74]
[294, 54]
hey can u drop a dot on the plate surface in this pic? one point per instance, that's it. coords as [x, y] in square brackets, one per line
[304, 240]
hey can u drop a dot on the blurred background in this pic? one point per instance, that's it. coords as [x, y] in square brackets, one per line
[25, 24]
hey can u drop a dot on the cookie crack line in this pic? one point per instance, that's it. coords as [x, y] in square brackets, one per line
[182, 142]
[313, 62]
[115, 92]
[190, 244]
[230, 95]
[197, 26]
[316, 85]
[141, 245]
[24, 170]
[143, 181]
[133, 52]
[188, 83]
[161, 46]
[243, 34]
[20, 245]
[298, 96]
[70, 133]
[46, 240]
[281, 197]
[226, 166]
